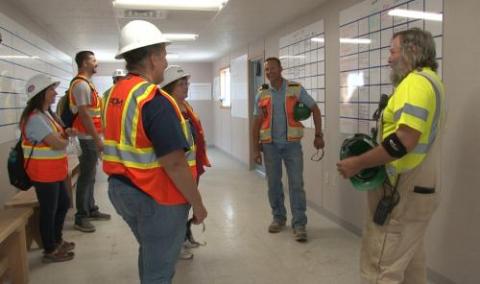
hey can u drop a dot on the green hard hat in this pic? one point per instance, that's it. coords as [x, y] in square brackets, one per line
[301, 112]
[367, 179]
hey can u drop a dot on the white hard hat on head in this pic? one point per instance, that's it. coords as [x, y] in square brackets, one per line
[119, 73]
[38, 83]
[173, 73]
[137, 34]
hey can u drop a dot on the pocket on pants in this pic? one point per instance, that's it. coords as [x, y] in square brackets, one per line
[420, 206]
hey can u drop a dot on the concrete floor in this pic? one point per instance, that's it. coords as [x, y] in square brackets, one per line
[239, 249]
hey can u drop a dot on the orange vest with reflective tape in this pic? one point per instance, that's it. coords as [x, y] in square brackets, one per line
[94, 108]
[127, 149]
[294, 128]
[46, 164]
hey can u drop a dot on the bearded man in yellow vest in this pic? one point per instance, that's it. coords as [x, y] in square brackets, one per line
[278, 135]
[392, 247]
[149, 155]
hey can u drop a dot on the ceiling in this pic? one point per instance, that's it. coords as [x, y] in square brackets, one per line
[95, 24]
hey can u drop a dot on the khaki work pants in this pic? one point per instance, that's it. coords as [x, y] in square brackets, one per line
[394, 253]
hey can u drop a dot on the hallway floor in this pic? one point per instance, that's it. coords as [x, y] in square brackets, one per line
[238, 247]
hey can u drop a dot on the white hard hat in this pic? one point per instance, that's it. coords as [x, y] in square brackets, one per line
[137, 34]
[119, 73]
[38, 83]
[173, 73]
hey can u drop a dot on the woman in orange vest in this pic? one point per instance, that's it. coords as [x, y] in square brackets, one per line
[44, 144]
[176, 84]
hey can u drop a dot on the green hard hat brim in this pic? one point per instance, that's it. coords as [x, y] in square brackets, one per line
[301, 112]
[367, 179]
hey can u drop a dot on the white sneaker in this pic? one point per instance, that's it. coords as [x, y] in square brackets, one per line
[185, 254]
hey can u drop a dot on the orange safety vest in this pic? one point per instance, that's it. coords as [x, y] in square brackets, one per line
[200, 143]
[129, 152]
[46, 164]
[94, 108]
[294, 128]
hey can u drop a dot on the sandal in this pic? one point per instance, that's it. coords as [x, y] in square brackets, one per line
[57, 256]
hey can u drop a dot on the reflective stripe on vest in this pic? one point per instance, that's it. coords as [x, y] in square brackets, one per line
[128, 151]
[294, 128]
[421, 113]
[45, 164]
[94, 108]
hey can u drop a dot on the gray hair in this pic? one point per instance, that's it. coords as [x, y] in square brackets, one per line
[418, 48]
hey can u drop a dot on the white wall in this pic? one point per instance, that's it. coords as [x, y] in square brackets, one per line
[452, 240]
[23, 54]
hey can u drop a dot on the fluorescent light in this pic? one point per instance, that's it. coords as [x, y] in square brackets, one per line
[355, 40]
[181, 37]
[18, 57]
[172, 56]
[416, 14]
[292, 56]
[198, 5]
[317, 39]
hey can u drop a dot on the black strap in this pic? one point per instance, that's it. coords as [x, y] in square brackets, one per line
[31, 152]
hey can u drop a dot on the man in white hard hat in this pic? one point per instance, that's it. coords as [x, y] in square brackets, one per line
[117, 75]
[149, 155]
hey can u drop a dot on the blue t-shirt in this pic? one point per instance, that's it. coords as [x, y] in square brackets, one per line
[279, 119]
[162, 126]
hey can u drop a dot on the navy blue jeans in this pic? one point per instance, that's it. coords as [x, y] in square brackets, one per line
[159, 230]
[291, 154]
[54, 203]
[85, 200]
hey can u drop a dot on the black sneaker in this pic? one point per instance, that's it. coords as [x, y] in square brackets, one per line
[84, 226]
[99, 216]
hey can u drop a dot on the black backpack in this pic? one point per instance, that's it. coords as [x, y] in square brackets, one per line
[63, 106]
[16, 170]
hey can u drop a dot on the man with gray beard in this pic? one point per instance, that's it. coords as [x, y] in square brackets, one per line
[399, 212]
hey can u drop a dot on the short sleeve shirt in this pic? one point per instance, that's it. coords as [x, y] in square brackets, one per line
[38, 127]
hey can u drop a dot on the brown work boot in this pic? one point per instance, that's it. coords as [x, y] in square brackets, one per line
[57, 256]
[65, 246]
[300, 234]
[276, 226]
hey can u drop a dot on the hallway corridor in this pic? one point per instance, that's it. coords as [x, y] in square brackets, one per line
[239, 249]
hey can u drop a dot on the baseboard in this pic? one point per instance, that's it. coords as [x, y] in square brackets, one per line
[229, 155]
[433, 276]
[339, 221]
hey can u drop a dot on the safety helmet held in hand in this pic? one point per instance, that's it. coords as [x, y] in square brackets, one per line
[137, 34]
[367, 179]
[38, 83]
[301, 111]
[119, 73]
[173, 73]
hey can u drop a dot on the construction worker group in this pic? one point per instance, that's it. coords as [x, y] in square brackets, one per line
[153, 149]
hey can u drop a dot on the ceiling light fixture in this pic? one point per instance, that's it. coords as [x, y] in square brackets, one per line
[180, 37]
[355, 40]
[317, 39]
[197, 5]
[416, 14]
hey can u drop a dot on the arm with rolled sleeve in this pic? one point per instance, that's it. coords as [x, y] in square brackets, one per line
[307, 100]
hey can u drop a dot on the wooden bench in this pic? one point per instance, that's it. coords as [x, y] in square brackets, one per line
[28, 199]
[13, 253]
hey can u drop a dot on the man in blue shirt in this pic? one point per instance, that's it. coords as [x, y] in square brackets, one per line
[277, 134]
